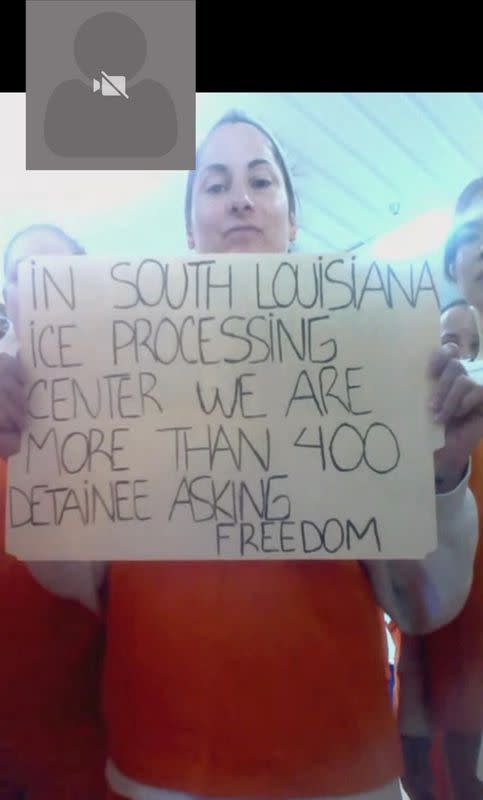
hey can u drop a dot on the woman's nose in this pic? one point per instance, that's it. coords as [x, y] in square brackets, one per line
[241, 202]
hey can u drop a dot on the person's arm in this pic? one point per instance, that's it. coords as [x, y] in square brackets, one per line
[423, 595]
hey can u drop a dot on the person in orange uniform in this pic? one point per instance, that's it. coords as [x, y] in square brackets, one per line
[250, 679]
[441, 709]
[454, 654]
[52, 744]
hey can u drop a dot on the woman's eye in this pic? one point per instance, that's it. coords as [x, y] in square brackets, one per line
[261, 183]
[215, 188]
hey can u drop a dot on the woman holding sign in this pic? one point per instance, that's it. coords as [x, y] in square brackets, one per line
[255, 702]
[51, 734]
[250, 680]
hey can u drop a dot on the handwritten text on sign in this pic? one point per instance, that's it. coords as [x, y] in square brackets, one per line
[231, 407]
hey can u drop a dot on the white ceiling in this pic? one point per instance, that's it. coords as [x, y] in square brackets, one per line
[355, 155]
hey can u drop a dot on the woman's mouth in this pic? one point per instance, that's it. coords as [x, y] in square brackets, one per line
[242, 229]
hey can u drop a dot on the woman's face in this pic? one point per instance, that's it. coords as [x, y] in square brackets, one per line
[240, 203]
[35, 243]
[458, 325]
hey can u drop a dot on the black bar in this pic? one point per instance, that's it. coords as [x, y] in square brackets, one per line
[257, 46]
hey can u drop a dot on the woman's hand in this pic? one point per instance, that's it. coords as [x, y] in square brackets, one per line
[457, 402]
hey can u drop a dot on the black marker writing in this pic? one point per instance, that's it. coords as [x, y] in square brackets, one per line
[209, 447]
[77, 451]
[331, 537]
[318, 394]
[154, 284]
[235, 339]
[229, 406]
[336, 285]
[347, 448]
[50, 289]
[116, 501]
[50, 345]
[204, 498]
[118, 395]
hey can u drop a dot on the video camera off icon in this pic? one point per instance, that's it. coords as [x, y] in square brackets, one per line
[110, 85]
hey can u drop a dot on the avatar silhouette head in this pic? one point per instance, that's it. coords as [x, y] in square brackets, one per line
[112, 42]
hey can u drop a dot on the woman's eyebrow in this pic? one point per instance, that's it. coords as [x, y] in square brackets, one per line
[256, 162]
[215, 168]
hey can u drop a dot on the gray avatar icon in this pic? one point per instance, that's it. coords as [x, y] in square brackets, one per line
[104, 117]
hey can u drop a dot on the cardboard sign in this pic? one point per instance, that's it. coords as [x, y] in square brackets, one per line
[227, 407]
